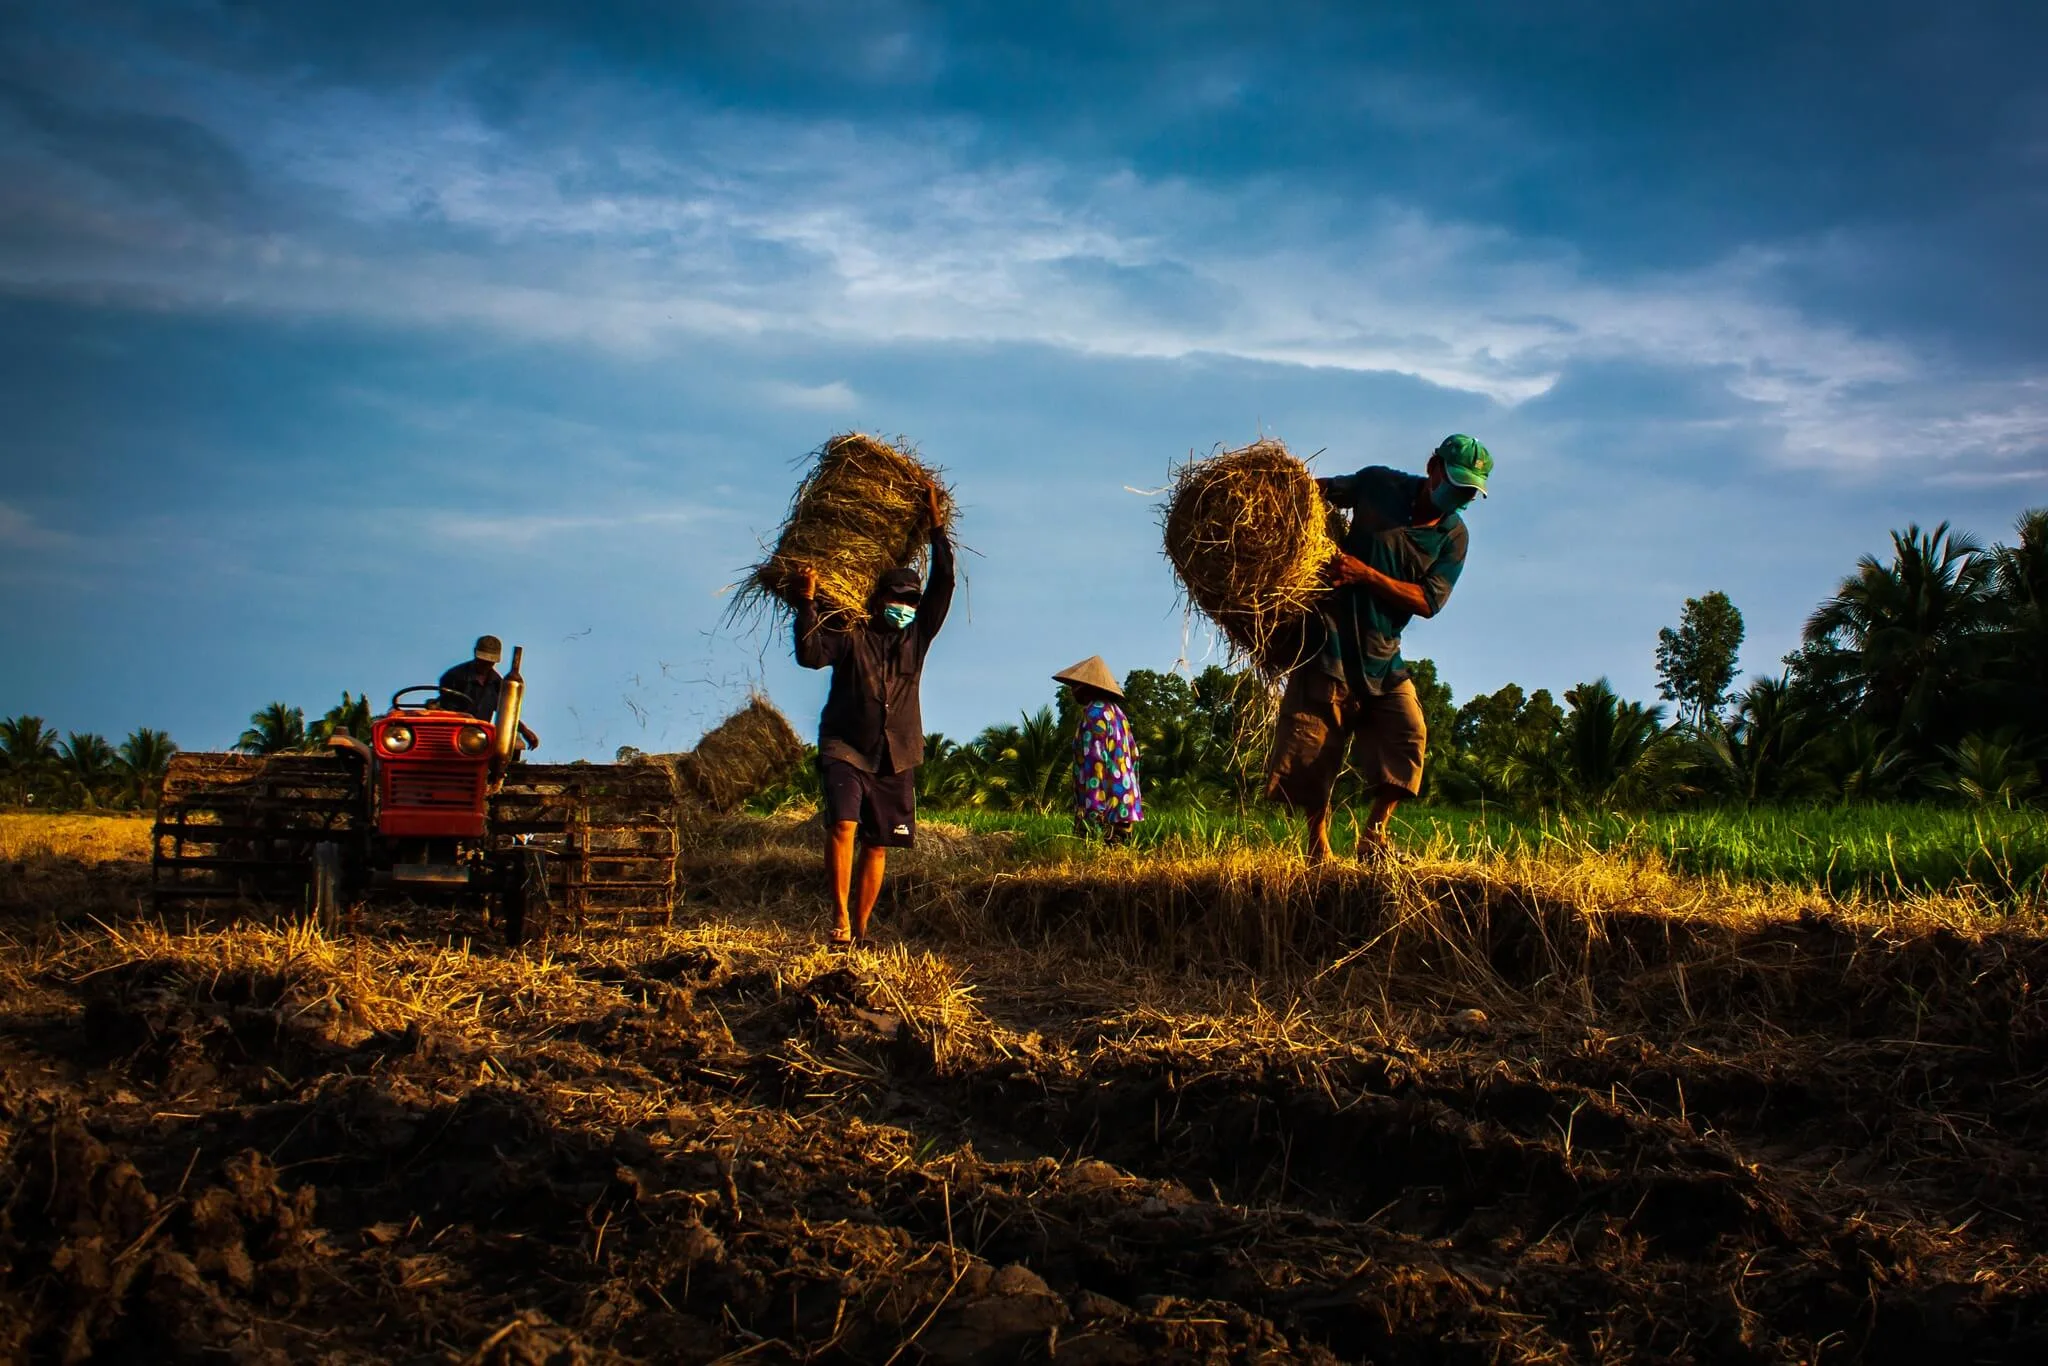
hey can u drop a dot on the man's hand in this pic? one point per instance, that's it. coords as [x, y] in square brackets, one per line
[1345, 570]
[526, 734]
[807, 584]
[935, 504]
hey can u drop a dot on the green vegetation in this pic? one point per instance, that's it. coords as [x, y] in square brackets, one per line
[83, 772]
[1901, 748]
[1880, 849]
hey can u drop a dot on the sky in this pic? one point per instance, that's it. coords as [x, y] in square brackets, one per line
[333, 335]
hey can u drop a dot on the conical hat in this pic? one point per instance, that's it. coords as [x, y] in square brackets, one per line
[1090, 673]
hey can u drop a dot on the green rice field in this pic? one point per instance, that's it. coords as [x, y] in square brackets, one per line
[1873, 849]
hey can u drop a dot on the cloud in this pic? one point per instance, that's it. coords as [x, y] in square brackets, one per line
[19, 531]
[835, 397]
[526, 529]
[409, 207]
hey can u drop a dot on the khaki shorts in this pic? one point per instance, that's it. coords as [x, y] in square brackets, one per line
[1320, 717]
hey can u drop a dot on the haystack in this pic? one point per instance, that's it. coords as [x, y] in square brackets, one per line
[746, 753]
[860, 512]
[1248, 533]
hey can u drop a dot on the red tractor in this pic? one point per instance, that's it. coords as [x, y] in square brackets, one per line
[438, 806]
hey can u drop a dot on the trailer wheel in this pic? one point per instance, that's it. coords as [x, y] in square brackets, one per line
[525, 898]
[327, 887]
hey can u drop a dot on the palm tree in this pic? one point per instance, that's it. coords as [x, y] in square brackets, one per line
[1183, 763]
[1915, 627]
[1023, 767]
[86, 763]
[349, 717]
[277, 729]
[1873, 763]
[1768, 750]
[950, 774]
[1612, 752]
[1989, 770]
[2020, 590]
[143, 759]
[28, 754]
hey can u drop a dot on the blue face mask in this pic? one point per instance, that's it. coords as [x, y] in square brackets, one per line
[1450, 497]
[899, 614]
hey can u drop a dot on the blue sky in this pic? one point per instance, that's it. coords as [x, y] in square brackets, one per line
[331, 335]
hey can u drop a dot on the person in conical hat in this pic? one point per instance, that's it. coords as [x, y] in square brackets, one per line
[1106, 795]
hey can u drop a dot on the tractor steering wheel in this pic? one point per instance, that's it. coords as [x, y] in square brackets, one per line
[428, 687]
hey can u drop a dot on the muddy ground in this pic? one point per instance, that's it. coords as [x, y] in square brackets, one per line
[721, 1143]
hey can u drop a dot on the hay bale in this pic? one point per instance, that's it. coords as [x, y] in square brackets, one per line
[746, 753]
[858, 513]
[1248, 533]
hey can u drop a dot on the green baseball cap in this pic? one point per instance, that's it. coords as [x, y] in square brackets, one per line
[1466, 462]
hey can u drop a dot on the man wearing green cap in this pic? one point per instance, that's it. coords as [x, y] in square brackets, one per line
[1399, 559]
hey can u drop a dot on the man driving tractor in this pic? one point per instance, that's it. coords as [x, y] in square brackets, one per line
[472, 687]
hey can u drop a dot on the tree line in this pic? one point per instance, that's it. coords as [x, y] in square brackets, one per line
[1923, 677]
[82, 770]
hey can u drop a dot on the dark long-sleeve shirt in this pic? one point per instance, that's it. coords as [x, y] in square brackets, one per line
[872, 718]
[478, 682]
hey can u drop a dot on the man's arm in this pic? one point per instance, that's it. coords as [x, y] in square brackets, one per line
[938, 586]
[816, 646]
[1423, 599]
[1347, 571]
[1341, 491]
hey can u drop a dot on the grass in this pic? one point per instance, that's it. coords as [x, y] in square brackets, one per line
[1844, 850]
[85, 836]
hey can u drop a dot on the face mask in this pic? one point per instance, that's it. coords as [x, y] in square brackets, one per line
[1449, 497]
[899, 614]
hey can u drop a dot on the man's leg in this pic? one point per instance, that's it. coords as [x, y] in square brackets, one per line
[1319, 833]
[839, 874]
[1308, 752]
[1372, 838]
[873, 860]
[1391, 742]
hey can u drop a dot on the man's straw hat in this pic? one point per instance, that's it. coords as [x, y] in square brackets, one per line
[1090, 673]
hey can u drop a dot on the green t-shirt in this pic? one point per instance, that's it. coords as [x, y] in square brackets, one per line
[1361, 634]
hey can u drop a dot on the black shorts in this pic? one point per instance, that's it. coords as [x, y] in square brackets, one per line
[884, 804]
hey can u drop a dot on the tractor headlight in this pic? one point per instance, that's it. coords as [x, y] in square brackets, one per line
[473, 740]
[397, 739]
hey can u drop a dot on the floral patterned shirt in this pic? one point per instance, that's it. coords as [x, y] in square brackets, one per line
[1106, 767]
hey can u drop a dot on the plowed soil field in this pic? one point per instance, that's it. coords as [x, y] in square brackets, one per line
[719, 1142]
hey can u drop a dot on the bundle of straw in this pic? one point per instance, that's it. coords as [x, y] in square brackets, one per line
[746, 753]
[860, 512]
[1248, 533]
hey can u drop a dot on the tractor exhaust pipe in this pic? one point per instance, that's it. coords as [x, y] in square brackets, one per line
[510, 695]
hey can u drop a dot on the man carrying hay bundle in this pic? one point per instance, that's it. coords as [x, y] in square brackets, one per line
[871, 735]
[1399, 560]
